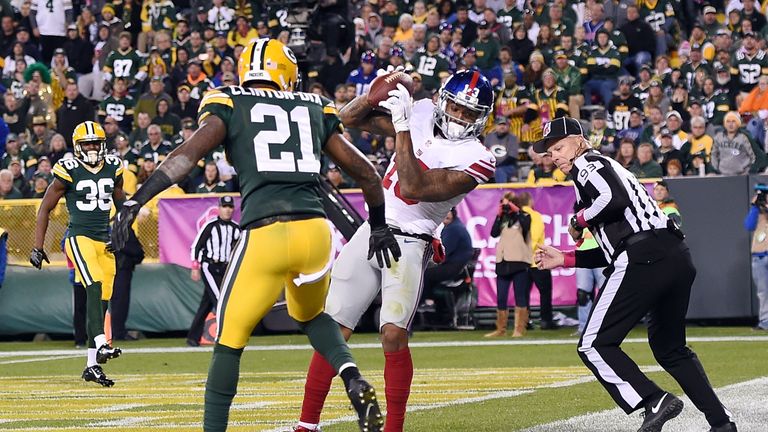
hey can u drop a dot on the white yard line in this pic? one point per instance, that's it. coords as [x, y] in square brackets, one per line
[413, 344]
[746, 400]
[52, 357]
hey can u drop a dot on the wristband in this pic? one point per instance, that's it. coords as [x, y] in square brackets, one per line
[578, 222]
[569, 258]
[376, 216]
[156, 183]
[195, 265]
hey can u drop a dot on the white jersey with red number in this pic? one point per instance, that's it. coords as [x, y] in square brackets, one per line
[467, 155]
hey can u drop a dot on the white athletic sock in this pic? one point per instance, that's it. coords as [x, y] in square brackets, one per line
[100, 340]
[91, 357]
[310, 426]
[345, 366]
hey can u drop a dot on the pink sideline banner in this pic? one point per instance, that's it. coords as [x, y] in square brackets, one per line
[478, 211]
[180, 219]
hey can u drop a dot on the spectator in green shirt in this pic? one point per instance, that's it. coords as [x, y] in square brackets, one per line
[7, 191]
[487, 50]
[211, 182]
[646, 166]
[569, 78]
[603, 66]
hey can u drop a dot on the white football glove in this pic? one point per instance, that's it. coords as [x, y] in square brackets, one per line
[389, 69]
[399, 106]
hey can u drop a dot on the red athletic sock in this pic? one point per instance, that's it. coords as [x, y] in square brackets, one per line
[398, 374]
[319, 378]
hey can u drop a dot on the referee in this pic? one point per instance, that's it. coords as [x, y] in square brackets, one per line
[211, 251]
[649, 272]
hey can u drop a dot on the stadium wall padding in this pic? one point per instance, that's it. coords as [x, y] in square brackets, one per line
[713, 211]
[163, 298]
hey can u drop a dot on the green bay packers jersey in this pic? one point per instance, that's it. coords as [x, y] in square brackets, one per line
[432, 67]
[747, 70]
[120, 109]
[656, 13]
[715, 107]
[273, 141]
[89, 194]
[125, 65]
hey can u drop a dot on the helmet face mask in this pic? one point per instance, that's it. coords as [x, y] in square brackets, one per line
[91, 156]
[87, 134]
[269, 60]
[462, 95]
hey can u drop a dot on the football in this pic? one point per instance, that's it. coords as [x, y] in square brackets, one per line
[383, 84]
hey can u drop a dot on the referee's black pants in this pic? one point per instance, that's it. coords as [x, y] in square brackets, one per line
[212, 275]
[652, 277]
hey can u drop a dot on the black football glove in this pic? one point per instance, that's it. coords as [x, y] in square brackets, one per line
[37, 257]
[123, 221]
[381, 243]
[110, 248]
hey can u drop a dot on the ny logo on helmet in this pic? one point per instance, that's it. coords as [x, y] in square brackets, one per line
[469, 94]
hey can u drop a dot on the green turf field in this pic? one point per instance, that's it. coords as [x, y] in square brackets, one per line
[463, 382]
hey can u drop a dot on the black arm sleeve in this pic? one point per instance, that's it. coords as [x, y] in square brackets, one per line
[530, 115]
[590, 258]
[496, 229]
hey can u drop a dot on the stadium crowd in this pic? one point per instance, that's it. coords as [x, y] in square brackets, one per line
[667, 87]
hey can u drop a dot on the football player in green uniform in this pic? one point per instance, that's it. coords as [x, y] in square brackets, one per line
[90, 182]
[273, 136]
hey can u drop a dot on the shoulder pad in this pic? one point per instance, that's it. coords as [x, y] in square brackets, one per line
[68, 163]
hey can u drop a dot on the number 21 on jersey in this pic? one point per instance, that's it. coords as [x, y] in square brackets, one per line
[281, 136]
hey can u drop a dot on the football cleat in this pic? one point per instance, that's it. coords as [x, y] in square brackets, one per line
[303, 429]
[106, 352]
[660, 411]
[96, 374]
[364, 402]
[728, 427]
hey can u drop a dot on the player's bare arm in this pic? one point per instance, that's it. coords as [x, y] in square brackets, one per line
[432, 185]
[183, 159]
[359, 114]
[176, 165]
[349, 158]
[51, 198]
[382, 241]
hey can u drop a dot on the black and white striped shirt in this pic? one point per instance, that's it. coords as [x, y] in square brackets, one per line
[215, 241]
[615, 204]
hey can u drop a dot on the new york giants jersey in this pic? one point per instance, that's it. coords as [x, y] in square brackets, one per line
[433, 151]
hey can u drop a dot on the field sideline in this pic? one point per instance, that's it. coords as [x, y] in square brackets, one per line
[462, 383]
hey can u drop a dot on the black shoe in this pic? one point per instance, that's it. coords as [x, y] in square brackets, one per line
[96, 374]
[728, 427]
[106, 352]
[364, 401]
[548, 325]
[660, 411]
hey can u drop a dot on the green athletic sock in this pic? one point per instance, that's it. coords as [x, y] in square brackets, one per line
[94, 315]
[221, 387]
[325, 336]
